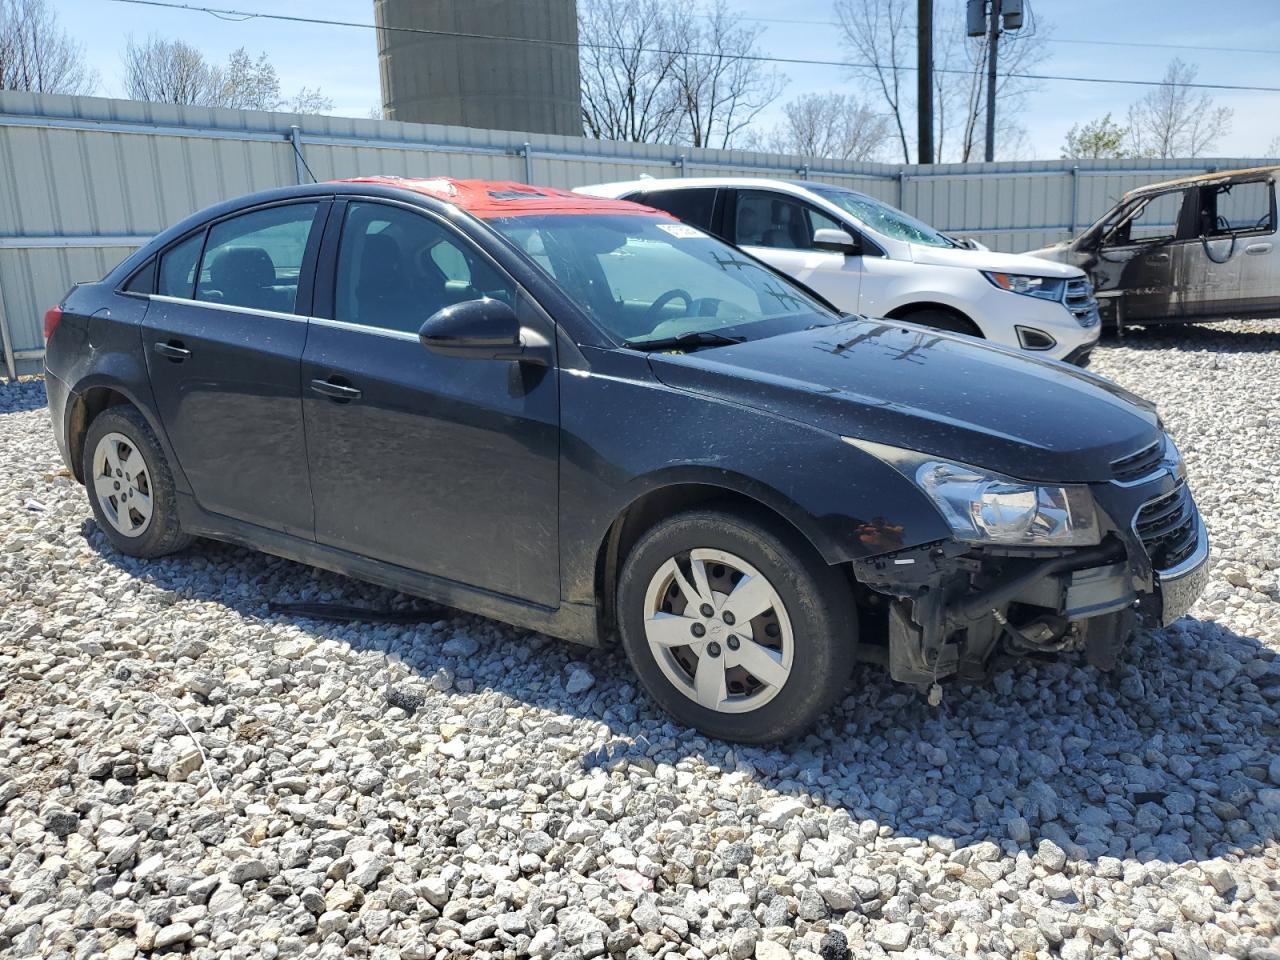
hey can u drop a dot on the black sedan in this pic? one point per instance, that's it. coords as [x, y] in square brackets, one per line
[584, 417]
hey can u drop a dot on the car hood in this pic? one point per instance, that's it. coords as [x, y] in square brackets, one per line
[944, 394]
[990, 260]
[1056, 252]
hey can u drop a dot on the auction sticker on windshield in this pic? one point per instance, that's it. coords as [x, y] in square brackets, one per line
[681, 230]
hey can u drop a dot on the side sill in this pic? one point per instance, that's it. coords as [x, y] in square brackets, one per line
[575, 622]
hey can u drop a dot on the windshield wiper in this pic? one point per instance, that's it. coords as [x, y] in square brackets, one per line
[691, 340]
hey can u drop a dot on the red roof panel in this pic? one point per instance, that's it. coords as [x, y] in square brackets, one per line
[489, 199]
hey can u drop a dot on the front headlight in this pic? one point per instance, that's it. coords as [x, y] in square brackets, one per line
[985, 507]
[1045, 288]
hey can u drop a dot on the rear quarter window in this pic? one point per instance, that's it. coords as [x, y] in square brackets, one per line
[177, 276]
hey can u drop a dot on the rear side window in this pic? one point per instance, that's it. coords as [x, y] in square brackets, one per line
[178, 267]
[693, 206]
[397, 267]
[254, 260]
[143, 279]
[1236, 208]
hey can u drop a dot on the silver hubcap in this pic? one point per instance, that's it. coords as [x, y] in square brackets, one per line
[718, 630]
[122, 485]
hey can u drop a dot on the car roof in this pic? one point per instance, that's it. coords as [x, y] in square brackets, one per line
[687, 183]
[1204, 180]
[490, 199]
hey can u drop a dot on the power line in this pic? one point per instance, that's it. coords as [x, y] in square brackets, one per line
[243, 15]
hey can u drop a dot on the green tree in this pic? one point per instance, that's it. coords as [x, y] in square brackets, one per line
[1096, 140]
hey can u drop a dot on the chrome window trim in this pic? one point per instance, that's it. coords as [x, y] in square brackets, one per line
[362, 328]
[229, 307]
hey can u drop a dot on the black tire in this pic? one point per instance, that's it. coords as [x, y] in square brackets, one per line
[819, 607]
[943, 320]
[162, 535]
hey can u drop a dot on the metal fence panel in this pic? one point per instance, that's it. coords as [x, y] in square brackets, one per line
[84, 179]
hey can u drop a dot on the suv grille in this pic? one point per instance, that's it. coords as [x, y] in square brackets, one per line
[1081, 302]
[1138, 465]
[1167, 527]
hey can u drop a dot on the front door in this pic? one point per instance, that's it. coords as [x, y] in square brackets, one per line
[443, 465]
[1137, 258]
[223, 338]
[778, 228]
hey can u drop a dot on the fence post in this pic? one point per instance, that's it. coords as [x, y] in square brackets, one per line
[1075, 198]
[299, 166]
[902, 190]
[527, 152]
[6, 335]
[684, 170]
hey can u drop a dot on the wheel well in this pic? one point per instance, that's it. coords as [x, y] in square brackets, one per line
[644, 513]
[904, 313]
[84, 410]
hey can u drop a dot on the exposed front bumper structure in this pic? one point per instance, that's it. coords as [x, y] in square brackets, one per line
[953, 609]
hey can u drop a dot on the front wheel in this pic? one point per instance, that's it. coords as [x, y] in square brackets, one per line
[735, 626]
[944, 320]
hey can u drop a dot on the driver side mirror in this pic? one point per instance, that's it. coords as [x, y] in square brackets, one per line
[836, 241]
[484, 329]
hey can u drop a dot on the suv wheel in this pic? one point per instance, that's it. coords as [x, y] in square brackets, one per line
[130, 487]
[734, 626]
[943, 320]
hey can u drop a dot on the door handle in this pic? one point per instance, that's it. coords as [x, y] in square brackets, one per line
[336, 391]
[1257, 248]
[1158, 258]
[173, 349]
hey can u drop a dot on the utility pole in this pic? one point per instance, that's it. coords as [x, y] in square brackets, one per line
[924, 79]
[993, 49]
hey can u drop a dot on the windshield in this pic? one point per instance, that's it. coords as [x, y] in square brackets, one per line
[884, 219]
[649, 278]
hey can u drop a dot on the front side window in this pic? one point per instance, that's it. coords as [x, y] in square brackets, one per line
[650, 278]
[254, 260]
[764, 219]
[1152, 220]
[883, 219]
[694, 205]
[178, 267]
[396, 267]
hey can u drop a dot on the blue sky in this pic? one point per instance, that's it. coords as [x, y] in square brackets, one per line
[343, 61]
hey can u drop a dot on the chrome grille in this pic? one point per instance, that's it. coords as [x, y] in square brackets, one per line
[1080, 300]
[1138, 466]
[1168, 528]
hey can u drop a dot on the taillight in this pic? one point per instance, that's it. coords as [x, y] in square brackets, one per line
[51, 318]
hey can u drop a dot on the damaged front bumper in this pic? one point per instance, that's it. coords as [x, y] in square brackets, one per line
[953, 609]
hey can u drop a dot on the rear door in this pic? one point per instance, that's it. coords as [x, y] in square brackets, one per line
[444, 465]
[778, 228]
[223, 339]
[1230, 268]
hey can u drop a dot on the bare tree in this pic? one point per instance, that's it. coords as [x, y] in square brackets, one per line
[170, 71]
[1273, 148]
[879, 40]
[173, 71]
[879, 36]
[833, 126]
[36, 54]
[722, 84]
[1176, 120]
[627, 61]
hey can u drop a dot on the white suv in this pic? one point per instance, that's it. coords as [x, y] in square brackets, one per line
[870, 258]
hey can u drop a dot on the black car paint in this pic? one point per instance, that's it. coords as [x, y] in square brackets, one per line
[487, 504]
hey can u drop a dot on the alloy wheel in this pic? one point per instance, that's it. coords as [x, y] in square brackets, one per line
[122, 485]
[718, 630]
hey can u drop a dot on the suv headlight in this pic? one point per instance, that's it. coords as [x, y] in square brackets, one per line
[1045, 288]
[985, 507]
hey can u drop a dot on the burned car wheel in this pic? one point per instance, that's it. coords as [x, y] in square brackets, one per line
[734, 627]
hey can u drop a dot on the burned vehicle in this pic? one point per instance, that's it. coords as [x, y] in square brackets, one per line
[1194, 249]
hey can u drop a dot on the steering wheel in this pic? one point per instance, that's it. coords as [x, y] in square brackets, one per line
[1263, 221]
[1222, 225]
[651, 315]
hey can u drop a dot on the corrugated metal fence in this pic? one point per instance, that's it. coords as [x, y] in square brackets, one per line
[84, 180]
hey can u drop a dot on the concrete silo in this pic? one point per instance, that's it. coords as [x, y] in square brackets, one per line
[445, 76]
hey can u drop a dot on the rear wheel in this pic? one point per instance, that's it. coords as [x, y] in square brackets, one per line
[734, 626]
[130, 487]
[943, 320]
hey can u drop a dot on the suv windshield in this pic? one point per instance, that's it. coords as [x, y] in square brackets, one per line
[648, 278]
[884, 219]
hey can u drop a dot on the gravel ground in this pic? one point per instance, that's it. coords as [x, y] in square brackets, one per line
[182, 772]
